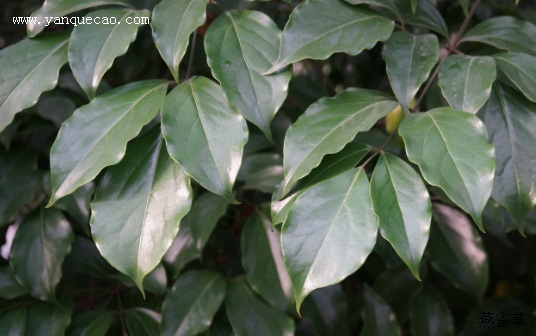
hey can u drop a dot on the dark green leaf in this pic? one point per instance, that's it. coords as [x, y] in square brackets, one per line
[378, 318]
[203, 217]
[96, 135]
[454, 155]
[342, 28]
[182, 251]
[249, 315]
[279, 209]
[77, 205]
[409, 60]
[511, 121]
[91, 323]
[466, 81]
[324, 312]
[138, 206]
[205, 134]
[193, 300]
[40, 245]
[13, 323]
[457, 252]
[10, 288]
[85, 258]
[240, 47]
[29, 68]
[93, 47]
[329, 232]
[143, 322]
[521, 70]
[402, 204]
[45, 319]
[465, 6]
[55, 107]
[327, 126]
[429, 315]
[396, 298]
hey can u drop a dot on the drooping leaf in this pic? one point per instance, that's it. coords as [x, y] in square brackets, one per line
[19, 180]
[40, 245]
[192, 302]
[45, 319]
[138, 206]
[29, 68]
[90, 323]
[93, 47]
[262, 260]
[327, 126]
[54, 9]
[240, 47]
[378, 318]
[455, 155]
[402, 204]
[10, 288]
[13, 322]
[511, 122]
[205, 134]
[172, 23]
[329, 232]
[250, 315]
[409, 60]
[429, 315]
[324, 312]
[456, 250]
[96, 135]
[504, 32]
[520, 69]
[143, 322]
[466, 81]
[343, 28]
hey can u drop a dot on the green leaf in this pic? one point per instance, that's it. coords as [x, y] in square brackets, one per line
[206, 211]
[409, 60]
[40, 245]
[54, 9]
[429, 314]
[402, 204]
[96, 135]
[143, 322]
[45, 319]
[464, 4]
[342, 28]
[324, 312]
[520, 69]
[139, 202]
[327, 126]
[414, 4]
[250, 315]
[511, 121]
[182, 251]
[10, 288]
[279, 209]
[77, 205]
[192, 302]
[457, 252]
[205, 134]
[91, 323]
[329, 232]
[93, 47]
[455, 155]
[172, 22]
[465, 81]
[85, 258]
[262, 260]
[29, 68]
[506, 33]
[19, 180]
[13, 323]
[378, 318]
[240, 47]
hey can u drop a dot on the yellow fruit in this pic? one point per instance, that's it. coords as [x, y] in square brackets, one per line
[393, 119]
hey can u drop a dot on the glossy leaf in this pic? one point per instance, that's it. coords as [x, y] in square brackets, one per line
[343, 28]
[466, 81]
[13, 322]
[329, 232]
[138, 206]
[279, 209]
[182, 251]
[192, 302]
[324, 312]
[19, 180]
[93, 47]
[454, 155]
[240, 47]
[409, 60]
[378, 318]
[46, 319]
[262, 260]
[402, 204]
[40, 245]
[250, 315]
[143, 322]
[29, 68]
[172, 22]
[327, 126]
[91, 323]
[203, 217]
[429, 314]
[54, 9]
[96, 135]
[457, 252]
[10, 288]
[520, 69]
[205, 134]
[511, 122]
[504, 32]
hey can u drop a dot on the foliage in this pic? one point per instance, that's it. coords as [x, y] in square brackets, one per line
[268, 167]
